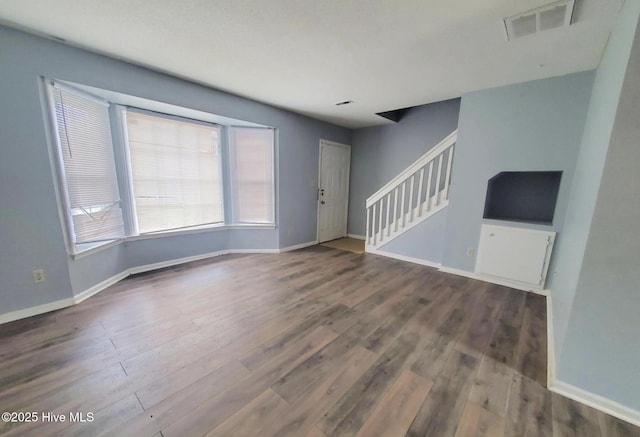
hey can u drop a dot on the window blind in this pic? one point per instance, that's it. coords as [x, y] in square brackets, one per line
[251, 153]
[175, 166]
[85, 146]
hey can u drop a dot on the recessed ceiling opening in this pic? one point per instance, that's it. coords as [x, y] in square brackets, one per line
[551, 16]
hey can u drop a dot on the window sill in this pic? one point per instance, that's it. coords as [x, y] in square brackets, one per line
[195, 230]
[87, 249]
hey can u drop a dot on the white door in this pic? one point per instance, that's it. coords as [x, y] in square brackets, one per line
[333, 190]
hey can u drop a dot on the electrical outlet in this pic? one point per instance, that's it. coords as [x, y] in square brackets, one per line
[470, 251]
[38, 275]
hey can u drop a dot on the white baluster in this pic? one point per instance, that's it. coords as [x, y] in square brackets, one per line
[447, 179]
[373, 224]
[438, 179]
[420, 192]
[395, 207]
[404, 186]
[388, 214]
[411, 184]
[428, 199]
[368, 226]
[381, 233]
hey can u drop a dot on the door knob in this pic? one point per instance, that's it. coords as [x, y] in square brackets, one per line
[322, 202]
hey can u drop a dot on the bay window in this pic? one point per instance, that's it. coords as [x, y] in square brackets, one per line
[171, 176]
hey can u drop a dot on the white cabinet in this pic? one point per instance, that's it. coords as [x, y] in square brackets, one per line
[514, 256]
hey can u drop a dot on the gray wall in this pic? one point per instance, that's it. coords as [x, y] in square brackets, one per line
[529, 126]
[572, 241]
[379, 153]
[425, 241]
[600, 352]
[30, 227]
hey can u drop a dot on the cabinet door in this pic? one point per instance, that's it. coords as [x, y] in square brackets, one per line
[514, 254]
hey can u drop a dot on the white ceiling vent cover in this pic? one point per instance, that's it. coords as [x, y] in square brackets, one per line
[556, 14]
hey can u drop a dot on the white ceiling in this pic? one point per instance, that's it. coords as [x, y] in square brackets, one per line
[306, 55]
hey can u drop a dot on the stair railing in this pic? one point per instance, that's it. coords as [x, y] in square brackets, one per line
[416, 193]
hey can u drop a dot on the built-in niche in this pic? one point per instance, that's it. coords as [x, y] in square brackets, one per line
[523, 196]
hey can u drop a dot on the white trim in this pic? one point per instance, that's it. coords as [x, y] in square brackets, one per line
[251, 226]
[97, 248]
[551, 350]
[95, 289]
[38, 309]
[125, 162]
[577, 394]
[251, 251]
[298, 246]
[593, 400]
[100, 286]
[596, 401]
[492, 280]
[357, 236]
[174, 262]
[422, 262]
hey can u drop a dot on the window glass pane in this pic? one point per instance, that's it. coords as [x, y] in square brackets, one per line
[175, 165]
[251, 171]
[85, 146]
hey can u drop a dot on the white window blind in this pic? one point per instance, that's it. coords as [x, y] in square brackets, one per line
[175, 167]
[251, 153]
[89, 179]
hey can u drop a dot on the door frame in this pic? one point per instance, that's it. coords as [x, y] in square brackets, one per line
[346, 218]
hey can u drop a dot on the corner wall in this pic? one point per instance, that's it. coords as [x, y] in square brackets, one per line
[599, 353]
[603, 106]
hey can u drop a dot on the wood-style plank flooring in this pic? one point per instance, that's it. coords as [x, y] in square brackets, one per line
[316, 342]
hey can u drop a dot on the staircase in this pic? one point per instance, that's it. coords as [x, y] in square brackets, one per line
[417, 193]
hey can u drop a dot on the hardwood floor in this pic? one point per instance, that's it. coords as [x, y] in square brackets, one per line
[316, 342]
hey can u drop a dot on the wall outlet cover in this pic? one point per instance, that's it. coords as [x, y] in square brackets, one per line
[38, 275]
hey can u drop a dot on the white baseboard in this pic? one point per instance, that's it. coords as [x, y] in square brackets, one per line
[596, 401]
[34, 311]
[496, 281]
[577, 394]
[298, 246]
[95, 289]
[356, 236]
[173, 262]
[100, 286]
[551, 345]
[422, 262]
[224, 252]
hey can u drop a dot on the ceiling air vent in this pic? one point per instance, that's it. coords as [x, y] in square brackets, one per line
[556, 14]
